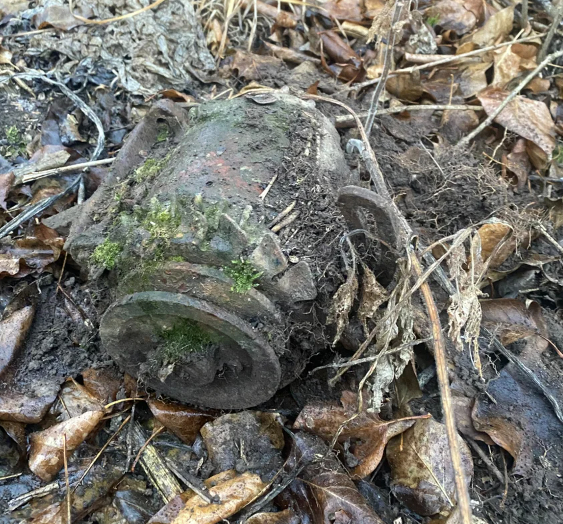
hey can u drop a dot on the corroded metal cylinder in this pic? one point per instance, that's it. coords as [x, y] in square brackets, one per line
[202, 288]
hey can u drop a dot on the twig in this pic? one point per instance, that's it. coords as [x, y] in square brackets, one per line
[41, 206]
[184, 478]
[445, 394]
[346, 120]
[145, 445]
[488, 462]
[505, 491]
[264, 193]
[286, 222]
[115, 18]
[397, 11]
[527, 371]
[524, 15]
[7, 477]
[282, 215]
[446, 60]
[68, 515]
[465, 141]
[99, 454]
[550, 239]
[22, 499]
[557, 17]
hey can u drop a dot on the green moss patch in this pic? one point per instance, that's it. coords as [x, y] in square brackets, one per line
[107, 254]
[243, 274]
[183, 338]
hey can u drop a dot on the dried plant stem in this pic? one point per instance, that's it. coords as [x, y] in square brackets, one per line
[557, 17]
[446, 60]
[465, 141]
[488, 462]
[68, 506]
[445, 394]
[115, 18]
[65, 169]
[524, 21]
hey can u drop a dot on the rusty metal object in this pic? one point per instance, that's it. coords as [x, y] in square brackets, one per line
[179, 230]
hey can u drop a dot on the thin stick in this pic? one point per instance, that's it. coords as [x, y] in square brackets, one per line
[99, 454]
[446, 60]
[346, 120]
[445, 394]
[115, 18]
[196, 489]
[264, 193]
[144, 446]
[488, 462]
[11, 476]
[524, 20]
[282, 215]
[68, 515]
[64, 169]
[119, 401]
[286, 222]
[557, 17]
[465, 141]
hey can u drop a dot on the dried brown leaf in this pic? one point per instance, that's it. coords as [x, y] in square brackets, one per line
[254, 67]
[528, 118]
[369, 433]
[46, 447]
[233, 495]
[348, 65]
[342, 304]
[539, 85]
[405, 87]
[507, 67]
[13, 331]
[286, 516]
[496, 240]
[184, 421]
[343, 10]
[518, 162]
[495, 28]
[422, 475]
[473, 78]
[59, 17]
[6, 184]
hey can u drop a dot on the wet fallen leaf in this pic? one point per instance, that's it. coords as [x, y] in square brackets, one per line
[513, 320]
[422, 475]
[323, 492]
[348, 65]
[405, 87]
[29, 407]
[463, 407]
[495, 28]
[527, 118]
[13, 331]
[539, 85]
[46, 447]
[185, 422]
[233, 495]
[103, 383]
[521, 420]
[281, 517]
[75, 399]
[473, 78]
[53, 514]
[259, 434]
[507, 67]
[367, 432]
[452, 15]
[342, 304]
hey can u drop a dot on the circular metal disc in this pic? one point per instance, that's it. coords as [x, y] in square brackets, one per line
[240, 371]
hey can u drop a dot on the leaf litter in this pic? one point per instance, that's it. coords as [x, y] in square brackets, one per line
[499, 285]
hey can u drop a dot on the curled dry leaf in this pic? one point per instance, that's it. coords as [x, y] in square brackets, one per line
[46, 447]
[255, 67]
[496, 241]
[324, 489]
[367, 431]
[348, 65]
[422, 475]
[59, 17]
[75, 399]
[342, 304]
[233, 495]
[518, 162]
[495, 28]
[185, 422]
[13, 331]
[29, 407]
[527, 118]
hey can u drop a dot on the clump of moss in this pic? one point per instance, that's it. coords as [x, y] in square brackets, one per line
[16, 143]
[243, 274]
[182, 338]
[163, 133]
[558, 154]
[160, 221]
[107, 254]
[150, 169]
[433, 20]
